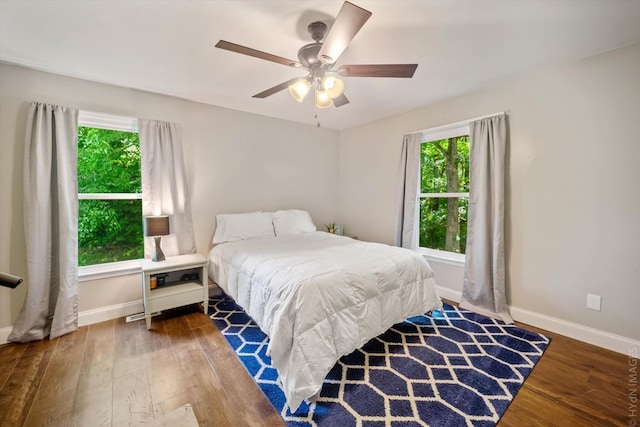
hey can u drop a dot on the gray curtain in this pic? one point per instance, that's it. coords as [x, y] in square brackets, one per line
[483, 289]
[50, 224]
[164, 185]
[409, 178]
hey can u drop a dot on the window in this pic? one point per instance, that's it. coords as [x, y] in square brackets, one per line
[109, 190]
[444, 189]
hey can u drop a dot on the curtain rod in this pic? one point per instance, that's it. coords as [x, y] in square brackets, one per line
[460, 123]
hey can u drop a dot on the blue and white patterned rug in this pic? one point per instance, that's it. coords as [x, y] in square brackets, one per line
[455, 368]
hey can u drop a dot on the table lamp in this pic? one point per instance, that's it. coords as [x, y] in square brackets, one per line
[157, 226]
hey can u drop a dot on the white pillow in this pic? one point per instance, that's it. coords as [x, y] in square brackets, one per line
[232, 227]
[292, 222]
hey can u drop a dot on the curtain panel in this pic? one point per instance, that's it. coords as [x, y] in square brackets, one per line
[50, 224]
[164, 185]
[409, 179]
[484, 287]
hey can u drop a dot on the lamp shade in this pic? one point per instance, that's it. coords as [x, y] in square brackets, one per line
[157, 225]
[333, 85]
[299, 89]
[323, 100]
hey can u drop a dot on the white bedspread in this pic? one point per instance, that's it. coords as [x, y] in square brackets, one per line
[319, 296]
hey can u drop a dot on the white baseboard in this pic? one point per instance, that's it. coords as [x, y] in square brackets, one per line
[4, 334]
[102, 314]
[449, 294]
[593, 336]
[90, 317]
[576, 331]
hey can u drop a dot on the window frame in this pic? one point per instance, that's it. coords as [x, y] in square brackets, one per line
[428, 136]
[99, 120]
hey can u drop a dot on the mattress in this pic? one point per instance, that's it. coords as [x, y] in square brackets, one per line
[319, 296]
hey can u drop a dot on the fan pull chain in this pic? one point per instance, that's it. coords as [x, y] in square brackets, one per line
[317, 110]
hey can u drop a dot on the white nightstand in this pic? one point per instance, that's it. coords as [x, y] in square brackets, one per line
[177, 291]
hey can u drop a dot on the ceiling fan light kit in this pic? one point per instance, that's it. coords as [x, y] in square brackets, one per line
[318, 59]
[333, 85]
[299, 89]
[323, 100]
[327, 89]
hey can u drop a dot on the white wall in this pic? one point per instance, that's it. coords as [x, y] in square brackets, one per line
[572, 205]
[235, 161]
[573, 196]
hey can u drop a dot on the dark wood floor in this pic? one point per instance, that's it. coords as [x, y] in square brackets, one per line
[117, 374]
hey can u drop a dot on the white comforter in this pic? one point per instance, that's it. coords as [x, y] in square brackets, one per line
[319, 296]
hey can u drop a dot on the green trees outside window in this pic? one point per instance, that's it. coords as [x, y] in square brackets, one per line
[444, 188]
[109, 187]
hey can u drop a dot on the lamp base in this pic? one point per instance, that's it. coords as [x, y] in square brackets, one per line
[158, 255]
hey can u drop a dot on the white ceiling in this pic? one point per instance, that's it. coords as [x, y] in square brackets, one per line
[168, 46]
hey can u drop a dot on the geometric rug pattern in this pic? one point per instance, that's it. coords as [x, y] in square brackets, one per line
[449, 368]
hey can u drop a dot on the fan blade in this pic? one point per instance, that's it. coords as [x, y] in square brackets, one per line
[378, 70]
[277, 88]
[347, 24]
[341, 100]
[222, 44]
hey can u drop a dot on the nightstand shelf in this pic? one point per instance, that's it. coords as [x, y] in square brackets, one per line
[178, 292]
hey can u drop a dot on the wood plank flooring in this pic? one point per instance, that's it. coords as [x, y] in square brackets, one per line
[119, 374]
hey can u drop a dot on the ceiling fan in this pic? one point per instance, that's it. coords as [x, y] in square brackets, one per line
[318, 59]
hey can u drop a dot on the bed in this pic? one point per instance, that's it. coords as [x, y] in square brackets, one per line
[316, 295]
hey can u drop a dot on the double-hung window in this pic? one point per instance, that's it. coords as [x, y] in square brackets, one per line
[109, 189]
[444, 189]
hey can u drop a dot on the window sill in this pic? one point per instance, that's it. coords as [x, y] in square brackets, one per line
[444, 257]
[112, 269]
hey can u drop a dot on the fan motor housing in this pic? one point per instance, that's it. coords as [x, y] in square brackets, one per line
[308, 55]
[317, 30]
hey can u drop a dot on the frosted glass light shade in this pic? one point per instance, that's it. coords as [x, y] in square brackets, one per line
[333, 85]
[323, 100]
[299, 89]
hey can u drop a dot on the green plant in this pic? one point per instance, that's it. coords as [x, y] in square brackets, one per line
[444, 169]
[109, 229]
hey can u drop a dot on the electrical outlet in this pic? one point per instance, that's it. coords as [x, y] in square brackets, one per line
[593, 302]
